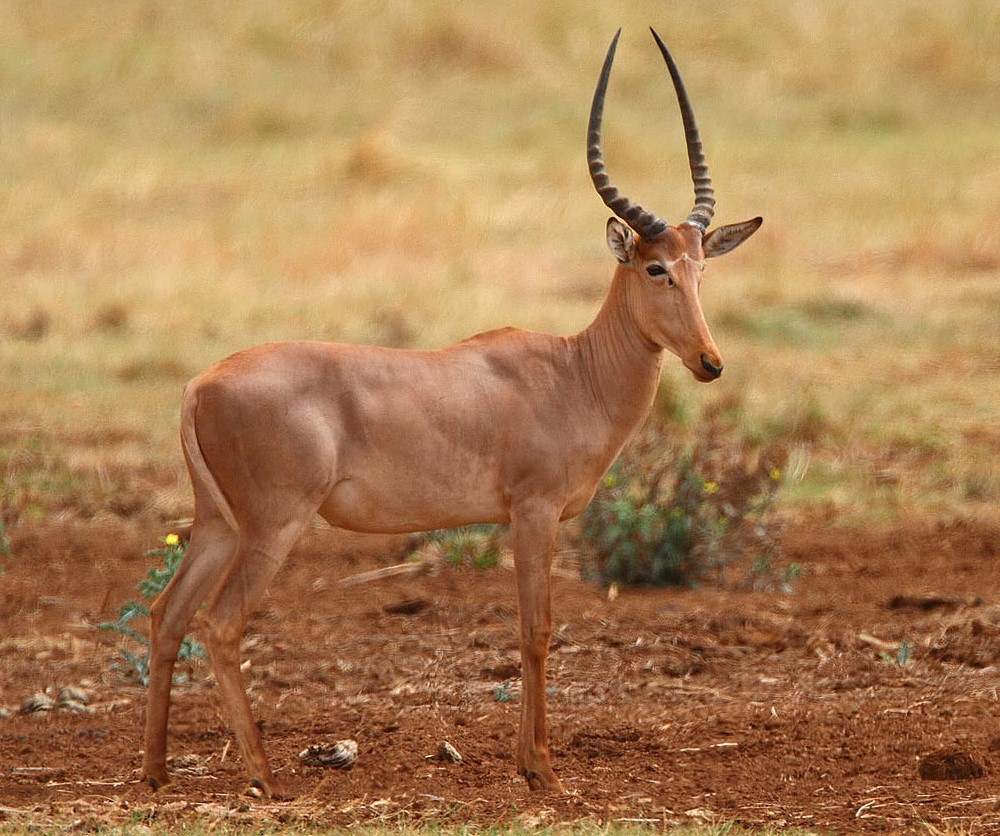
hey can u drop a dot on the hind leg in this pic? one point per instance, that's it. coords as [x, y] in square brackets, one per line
[259, 555]
[204, 565]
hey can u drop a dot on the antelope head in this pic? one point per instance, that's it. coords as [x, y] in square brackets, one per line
[664, 264]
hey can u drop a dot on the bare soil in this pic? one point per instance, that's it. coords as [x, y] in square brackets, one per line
[666, 705]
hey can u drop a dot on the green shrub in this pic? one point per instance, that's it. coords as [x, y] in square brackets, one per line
[502, 692]
[672, 514]
[156, 580]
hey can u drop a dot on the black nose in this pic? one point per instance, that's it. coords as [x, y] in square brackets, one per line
[715, 371]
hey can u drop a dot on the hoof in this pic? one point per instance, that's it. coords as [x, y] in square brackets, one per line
[273, 789]
[542, 781]
[157, 782]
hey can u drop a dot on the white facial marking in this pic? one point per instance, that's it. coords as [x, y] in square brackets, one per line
[685, 257]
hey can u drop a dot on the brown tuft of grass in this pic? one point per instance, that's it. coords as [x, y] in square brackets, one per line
[372, 161]
[32, 326]
[111, 317]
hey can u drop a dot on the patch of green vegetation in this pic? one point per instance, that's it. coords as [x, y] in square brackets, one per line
[811, 325]
[502, 692]
[37, 475]
[156, 580]
[477, 546]
[844, 488]
[50, 472]
[902, 657]
[834, 310]
[668, 514]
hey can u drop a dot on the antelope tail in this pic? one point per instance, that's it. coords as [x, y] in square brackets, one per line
[200, 470]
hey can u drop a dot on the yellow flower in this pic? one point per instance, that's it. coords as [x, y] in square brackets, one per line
[171, 540]
[775, 473]
[710, 487]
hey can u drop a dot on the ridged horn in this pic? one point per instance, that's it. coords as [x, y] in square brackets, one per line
[704, 194]
[645, 223]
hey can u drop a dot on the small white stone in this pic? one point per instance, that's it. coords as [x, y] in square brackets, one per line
[447, 752]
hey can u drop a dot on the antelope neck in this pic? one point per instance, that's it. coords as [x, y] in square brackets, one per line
[621, 364]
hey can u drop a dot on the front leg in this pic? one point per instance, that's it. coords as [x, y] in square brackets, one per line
[533, 530]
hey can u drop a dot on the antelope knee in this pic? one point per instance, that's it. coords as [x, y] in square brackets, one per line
[535, 639]
[218, 634]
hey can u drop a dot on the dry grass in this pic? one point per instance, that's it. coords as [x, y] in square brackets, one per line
[185, 180]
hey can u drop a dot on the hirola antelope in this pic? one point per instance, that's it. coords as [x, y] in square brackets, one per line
[509, 426]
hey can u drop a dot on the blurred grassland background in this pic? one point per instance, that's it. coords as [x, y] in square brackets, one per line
[184, 179]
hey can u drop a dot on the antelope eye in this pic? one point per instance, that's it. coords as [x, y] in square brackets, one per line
[657, 271]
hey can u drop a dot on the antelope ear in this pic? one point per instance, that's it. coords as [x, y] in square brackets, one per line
[621, 240]
[725, 238]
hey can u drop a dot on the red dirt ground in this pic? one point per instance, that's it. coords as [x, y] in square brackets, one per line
[666, 705]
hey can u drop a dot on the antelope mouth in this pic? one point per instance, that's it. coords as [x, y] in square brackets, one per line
[705, 370]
